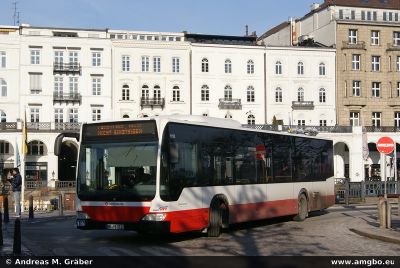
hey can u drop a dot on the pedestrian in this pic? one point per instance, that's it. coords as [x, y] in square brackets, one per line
[16, 183]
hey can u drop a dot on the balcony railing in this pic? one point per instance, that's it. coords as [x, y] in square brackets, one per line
[31, 185]
[38, 126]
[67, 68]
[230, 104]
[393, 47]
[303, 105]
[67, 97]
[382, 129]
[8, 126]
[154, 102]
[60, 185]
[67, 126]
[303, 129]
[358, 45]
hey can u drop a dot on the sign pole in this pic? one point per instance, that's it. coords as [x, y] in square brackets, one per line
[384, 174]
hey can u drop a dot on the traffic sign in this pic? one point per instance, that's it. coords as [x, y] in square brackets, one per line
[385, 145]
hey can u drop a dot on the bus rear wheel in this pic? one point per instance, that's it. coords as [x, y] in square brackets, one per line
[302, 209]
[217, 210]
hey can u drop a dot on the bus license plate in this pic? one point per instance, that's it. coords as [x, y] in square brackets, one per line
[80, 223]
[115, 226]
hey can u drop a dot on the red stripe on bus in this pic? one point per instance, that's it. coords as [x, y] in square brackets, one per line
[116, 214]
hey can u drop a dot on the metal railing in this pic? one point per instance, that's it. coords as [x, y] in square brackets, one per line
[67, 97]
[358, 45]
[8, 125]
[66, 67]
[152, 102]
[230, 104]
[382, 129]
[35, 184]
[303, 105]
[303, 129]
[65, 185]
[38, 126]
[67, 126]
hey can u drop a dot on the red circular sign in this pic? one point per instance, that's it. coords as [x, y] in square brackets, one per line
[385, 145]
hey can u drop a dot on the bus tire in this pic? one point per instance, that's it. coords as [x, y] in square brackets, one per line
[217, 209]
[302, 210]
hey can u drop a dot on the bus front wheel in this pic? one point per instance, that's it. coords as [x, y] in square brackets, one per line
[302, 209]
[217, 209]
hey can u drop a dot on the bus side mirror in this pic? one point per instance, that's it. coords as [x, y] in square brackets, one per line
[174, 152]
[59, 140]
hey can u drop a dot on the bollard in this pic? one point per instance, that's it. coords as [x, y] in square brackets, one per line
[5, 206]
[389, 215]
[382, 213]
[17, 237]
[1, 230]
[60, 205]
[30, 207]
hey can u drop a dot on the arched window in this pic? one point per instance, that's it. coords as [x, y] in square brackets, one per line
[278, 67]
[228, 66]
[205, 93]
[322, 95]
[3, 117]
[125, 92]
[204, 65]
[300, 68]
[278, 95]
[176, 93]
[251, 120]
[36, 148]
[228, 93]
[322, 69]
[3, 85]
[4, 148]
[300, 94]
[145, 92]
[157, 92]
[250, 67]
[250, 94]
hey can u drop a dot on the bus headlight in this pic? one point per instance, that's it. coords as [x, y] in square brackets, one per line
[82, 215]
[155, 217]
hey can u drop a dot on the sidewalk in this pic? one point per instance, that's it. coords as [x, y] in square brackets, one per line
[8, 228]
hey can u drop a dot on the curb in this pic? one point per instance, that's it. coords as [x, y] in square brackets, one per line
[376, 237]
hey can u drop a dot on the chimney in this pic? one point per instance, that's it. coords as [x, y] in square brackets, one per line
[247, 30]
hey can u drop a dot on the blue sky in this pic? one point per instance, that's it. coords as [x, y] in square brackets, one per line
[226, 17]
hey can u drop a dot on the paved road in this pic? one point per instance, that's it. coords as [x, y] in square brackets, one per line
[320, 235]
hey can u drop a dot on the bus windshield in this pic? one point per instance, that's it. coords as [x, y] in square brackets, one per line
[120, 171]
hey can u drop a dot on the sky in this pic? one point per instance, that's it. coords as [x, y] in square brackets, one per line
[224, 17]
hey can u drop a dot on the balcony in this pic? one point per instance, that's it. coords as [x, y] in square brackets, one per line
[32, 185]
[303, 105]
[66, 68]
[358, 45]
[65, 185]
[154, 102]
[303, 129]
[5, 126]
[230, 104]
[393, 102]
[355, 101]
[67, 97]
[74, 127]
[393, 47]
[383, 129]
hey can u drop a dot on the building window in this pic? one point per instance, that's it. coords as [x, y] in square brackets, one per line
[362, 15]
[157, 92]
[126, 63]
[300, 95]
[396, 38]
[59, 86]
[398, 63]
[73, 59]
[301, 122]
[145, 92]
[322, 69]
[376, 89]
[322, 95]
[250, 94]
[352, 36]
[278, 95]
[125, 93]
[58, 58]
[300, 68]
[375, 38]
[36, 148]
[35, 83]
[4, 148]
[356, 62]
[341, 14]
[398, 89]
[73, 115]
[96, 59]
[175, 65]
[323, 123]
[278, 67]
[376, 63]
[3, 117]
[176, 94]
[96, 115]
[375, 15]
[157, 64]
[35, 56]
[356, 88]
[73, 86]
[205, 93]
[3, 59]
[228, 93]
[96, 86]
[384, 16]
[250, 67]
[251, 120]
[354, 119]
[397, 119]
[376, 119]
[204, 65]
[35, 115]
[228, 66]
[3, 85]
[58, 115]
[145, 63]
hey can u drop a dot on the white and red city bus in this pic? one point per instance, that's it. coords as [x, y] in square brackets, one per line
[186, 173]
